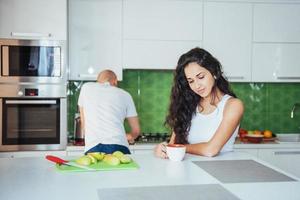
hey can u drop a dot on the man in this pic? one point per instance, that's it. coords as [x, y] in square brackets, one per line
[103, 109]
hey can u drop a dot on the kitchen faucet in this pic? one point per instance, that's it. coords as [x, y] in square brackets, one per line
[293, 109]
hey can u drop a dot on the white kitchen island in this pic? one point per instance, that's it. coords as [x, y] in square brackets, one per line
[37, 178]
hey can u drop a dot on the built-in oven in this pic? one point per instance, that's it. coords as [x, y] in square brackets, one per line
[33, 117]
[38, 61]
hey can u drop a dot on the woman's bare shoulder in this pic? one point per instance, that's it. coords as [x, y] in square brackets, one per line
[234, 104]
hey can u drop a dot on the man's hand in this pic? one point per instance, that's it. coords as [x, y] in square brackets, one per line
[130, 138]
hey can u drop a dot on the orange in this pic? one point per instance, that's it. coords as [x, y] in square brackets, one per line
[268, 134]
[257, 132]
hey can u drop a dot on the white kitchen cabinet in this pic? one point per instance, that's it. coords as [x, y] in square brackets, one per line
[156, 33]
[155, 54]
[33, 19]
[276, 22]
[286, 159]
[276, 62]
[252, 151]
[162, 20]
[95, 38]
[228, 37]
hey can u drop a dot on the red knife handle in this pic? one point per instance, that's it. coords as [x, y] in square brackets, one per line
[56, 159]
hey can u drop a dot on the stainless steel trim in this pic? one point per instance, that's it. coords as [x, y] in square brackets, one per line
[30, 102]
[288, 77]
[44, 90]
[1, 111]
[5, 56]
[36, 79]
[19, 34]
[286, 152]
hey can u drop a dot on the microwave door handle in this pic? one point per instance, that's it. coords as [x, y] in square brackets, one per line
[30, 102]
[5, 61]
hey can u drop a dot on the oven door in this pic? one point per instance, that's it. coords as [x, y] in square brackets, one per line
[33, 124]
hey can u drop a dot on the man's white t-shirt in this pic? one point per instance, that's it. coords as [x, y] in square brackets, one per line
[105, 108]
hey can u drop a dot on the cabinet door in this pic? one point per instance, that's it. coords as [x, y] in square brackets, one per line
[253, 152]
[95, 39]
[163, 20]
[277, 62]
[33, 19]
[154, 54]
[227, 36]
[286, 159]
[156, 33]
[276, 23]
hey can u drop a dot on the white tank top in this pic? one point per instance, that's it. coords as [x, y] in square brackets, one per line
[204, 126]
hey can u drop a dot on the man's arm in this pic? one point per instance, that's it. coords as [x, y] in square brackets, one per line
[82, 119]
[135, 129]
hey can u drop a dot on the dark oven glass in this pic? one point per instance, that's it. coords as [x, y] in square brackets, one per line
[31, 121]
[33, 61]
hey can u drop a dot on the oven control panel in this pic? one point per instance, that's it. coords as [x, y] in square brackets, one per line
[32, 92]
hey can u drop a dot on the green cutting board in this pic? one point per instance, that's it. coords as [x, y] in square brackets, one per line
[99, 166]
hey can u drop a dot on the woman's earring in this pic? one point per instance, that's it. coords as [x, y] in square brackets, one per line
[215, 77]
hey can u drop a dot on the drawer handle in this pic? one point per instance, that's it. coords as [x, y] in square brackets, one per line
[286, 152]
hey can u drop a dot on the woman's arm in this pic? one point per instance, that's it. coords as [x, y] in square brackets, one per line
[232, 115]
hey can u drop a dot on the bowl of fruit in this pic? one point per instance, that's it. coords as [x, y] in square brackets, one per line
[254, 138]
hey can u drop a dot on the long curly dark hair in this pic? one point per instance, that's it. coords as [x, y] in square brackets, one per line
[184, 101]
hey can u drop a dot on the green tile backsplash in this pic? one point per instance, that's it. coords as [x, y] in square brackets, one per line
[267, 105]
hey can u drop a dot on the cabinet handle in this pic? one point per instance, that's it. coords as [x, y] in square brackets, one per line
[87, 75]
[286, 152]
[288, 77]
[235, 77]
[17, 34]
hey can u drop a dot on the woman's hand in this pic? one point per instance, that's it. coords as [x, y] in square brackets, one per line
[161, 150]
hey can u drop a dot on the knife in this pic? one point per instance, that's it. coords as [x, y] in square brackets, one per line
[60, 161]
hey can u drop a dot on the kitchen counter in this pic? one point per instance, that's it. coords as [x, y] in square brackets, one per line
[237, 145]
[37, 178]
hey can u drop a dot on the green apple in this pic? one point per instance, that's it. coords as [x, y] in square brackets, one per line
[251, 132]
[125, 159]
[84, 160]
[93, 159]
[98, 155]
[111, 160]
[118, 154]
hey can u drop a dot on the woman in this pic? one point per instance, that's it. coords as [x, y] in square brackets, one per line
[204, 113]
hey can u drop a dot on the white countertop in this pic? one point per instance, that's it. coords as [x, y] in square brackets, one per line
[36, 178]
[140, 146]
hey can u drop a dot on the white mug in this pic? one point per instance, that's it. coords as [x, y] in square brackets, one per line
[176, 152]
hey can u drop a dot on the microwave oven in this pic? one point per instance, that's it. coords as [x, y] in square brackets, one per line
[33, 61]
